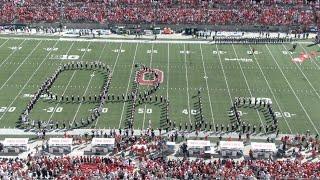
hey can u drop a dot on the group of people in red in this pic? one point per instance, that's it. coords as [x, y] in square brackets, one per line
[121, 166]
[80, 167]
[213, 12]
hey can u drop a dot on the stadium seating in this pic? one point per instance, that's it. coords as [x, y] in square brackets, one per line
[212, 12]
[83, 167]
[119, 166]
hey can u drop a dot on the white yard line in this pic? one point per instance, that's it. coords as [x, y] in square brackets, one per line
[85, 92]
[206, 78]
[224, 74]
[168, 72]
[66, 88]
[13, 51]
[274, 97]
[20, 65]
[145, 106]
[132, 67]
[112, 71]
[303, 108]
[34, 72]
[4, 43]
[187, 80]
[304, 75]
[245, 78]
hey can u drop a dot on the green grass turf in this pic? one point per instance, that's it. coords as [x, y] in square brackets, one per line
[293, 88]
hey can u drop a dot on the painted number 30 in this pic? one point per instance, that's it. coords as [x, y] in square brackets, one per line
[9, 109]
[53, 109]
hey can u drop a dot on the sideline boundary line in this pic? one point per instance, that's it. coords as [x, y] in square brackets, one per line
[171, 41]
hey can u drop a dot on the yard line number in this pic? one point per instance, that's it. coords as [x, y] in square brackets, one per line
[85, 50]
[192, 111]
[15, 48]
[51, 49]
[255, 52]
[147, 111]
[119, 50]
[219, 52]
[103, 110]
[284, 114]
[53, 109]
[65, 57]
[152, 51]
[9, 109]
[287, 52]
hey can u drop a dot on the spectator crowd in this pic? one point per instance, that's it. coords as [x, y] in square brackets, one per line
[141, 166]
[213, 12]
[86, 167]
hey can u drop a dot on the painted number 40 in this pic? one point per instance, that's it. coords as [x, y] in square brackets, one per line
[192, 111]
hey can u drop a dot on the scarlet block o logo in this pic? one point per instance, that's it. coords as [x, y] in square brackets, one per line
[148, 76]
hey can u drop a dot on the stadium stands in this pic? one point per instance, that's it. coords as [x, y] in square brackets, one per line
[214, 12]
[140, 165]
[82, 167]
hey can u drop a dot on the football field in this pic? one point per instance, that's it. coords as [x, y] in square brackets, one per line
[220, 72]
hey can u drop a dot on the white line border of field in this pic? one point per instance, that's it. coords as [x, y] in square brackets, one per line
[115, 40]
[303, 108]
